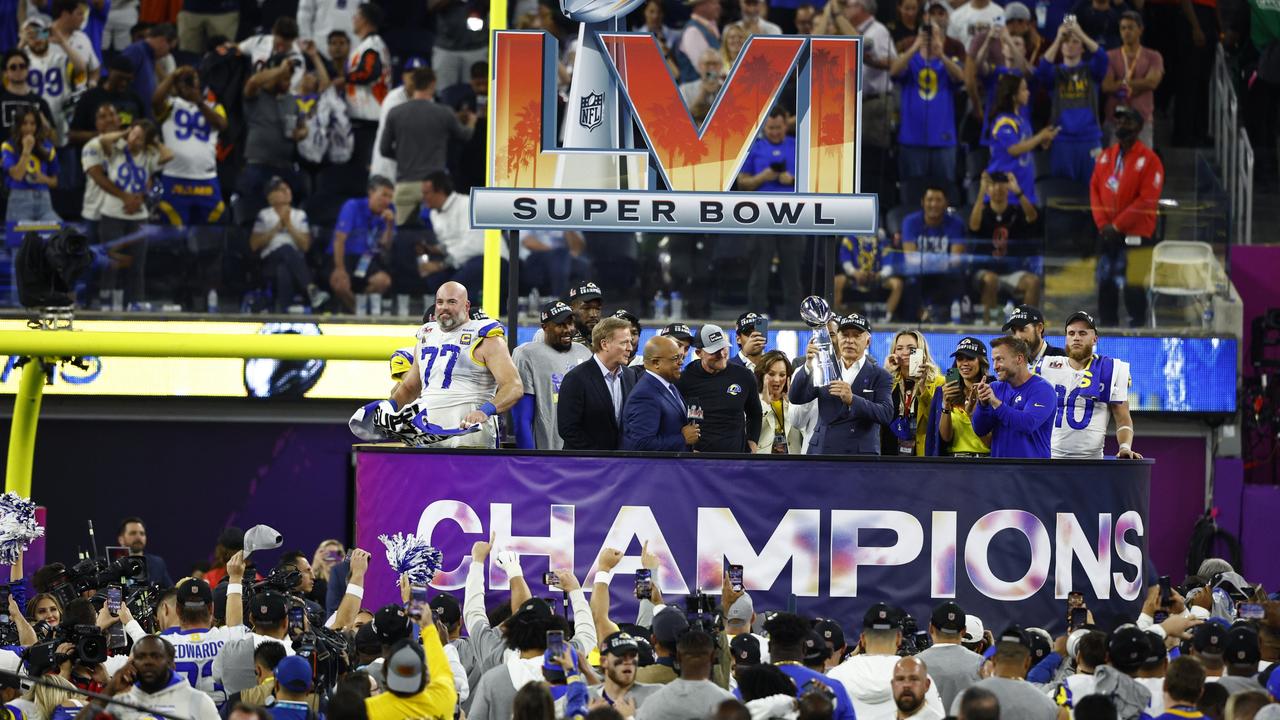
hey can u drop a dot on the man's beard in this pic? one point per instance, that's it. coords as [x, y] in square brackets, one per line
[1080, 355]
[617, 676]
[908, 703]
[448, 323]
[137, 547]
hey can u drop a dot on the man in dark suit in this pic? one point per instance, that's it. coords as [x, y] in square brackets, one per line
[853, 407]
[592, 395]
[655, 417]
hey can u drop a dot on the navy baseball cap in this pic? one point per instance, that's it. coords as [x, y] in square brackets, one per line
[556, 312]
[1023, 315]
[970, 347]
[948, 618]
[751, 322]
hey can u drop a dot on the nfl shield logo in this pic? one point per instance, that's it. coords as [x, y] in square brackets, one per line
[591, 112]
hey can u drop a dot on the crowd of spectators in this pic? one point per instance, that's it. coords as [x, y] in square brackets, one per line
[289, 635]
[317, 153]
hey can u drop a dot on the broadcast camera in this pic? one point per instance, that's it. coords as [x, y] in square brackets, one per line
[914, 640]
[703, 613]
[88, 643]
[93, 574]
[325, 649]
[47, 268]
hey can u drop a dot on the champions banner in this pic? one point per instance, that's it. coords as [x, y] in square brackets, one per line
[1007, 540]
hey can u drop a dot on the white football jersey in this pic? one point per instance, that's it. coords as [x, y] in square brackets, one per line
[50, 77]
[260, 48]
[192, 139]
[194, 652]
[1080, 423]
[451, 375]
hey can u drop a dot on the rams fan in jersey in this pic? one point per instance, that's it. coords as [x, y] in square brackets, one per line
[1091, 388]
[462, 371]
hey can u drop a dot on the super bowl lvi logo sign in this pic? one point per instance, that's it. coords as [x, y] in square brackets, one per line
[679, 177]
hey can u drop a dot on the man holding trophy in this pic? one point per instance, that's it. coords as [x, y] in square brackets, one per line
[854, 394]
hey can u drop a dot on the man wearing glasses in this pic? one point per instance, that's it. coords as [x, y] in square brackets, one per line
[16, 94]
[725, 394]
[655, 416]
[851, 408]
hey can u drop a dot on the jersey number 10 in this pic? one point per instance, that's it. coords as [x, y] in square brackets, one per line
[1066, 404]
[431, 354]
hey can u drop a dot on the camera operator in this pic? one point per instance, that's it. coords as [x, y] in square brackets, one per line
[295, 561]
[149, 680]
[233, 666]
[133, 535]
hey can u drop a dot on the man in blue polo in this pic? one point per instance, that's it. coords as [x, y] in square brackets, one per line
[933, 251]
[361, 240]
[1018, 409]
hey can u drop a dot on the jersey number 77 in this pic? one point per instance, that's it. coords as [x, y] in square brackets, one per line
[432, 353]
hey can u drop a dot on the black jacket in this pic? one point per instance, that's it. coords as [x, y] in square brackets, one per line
[730, 404]
[584, 411]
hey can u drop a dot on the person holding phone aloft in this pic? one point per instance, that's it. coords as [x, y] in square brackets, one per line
[950, 424]
[916, 378]
[1073, 68]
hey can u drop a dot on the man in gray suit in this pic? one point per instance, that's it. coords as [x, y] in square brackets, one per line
[852, 408]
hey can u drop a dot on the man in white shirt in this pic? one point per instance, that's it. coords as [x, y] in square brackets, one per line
[868, 676]
[281, 237]
[68, 18]
[753, 19]
[318, 18]
[462, 245]
[282, 42]
[972, 18]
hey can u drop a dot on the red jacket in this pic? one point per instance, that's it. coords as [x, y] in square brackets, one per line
[1128, 200]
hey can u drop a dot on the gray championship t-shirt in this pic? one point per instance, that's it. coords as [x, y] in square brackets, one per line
[682, 698]
[541, 369]
[953, 669]
[1018, 699]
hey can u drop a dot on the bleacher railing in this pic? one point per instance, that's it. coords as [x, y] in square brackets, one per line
[1233, 150]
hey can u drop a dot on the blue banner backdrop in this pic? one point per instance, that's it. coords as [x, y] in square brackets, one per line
[1006, 539]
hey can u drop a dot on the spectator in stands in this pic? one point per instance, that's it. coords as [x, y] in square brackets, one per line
[1133, 74]
[655, 415]
[591, 398]
[1018, 23]
[1074, 84]
[951, 666]
[731, 42]
[927, 129]
[726, 393]
[368, 74]
[1123, 193]
[1011, 138]
[912, 393]
[702, 90]
[906, 26]
[1027, 324]
[116, 90]
[857, 17]
[852, 408]
[318, 20]
[48, 75]
[868, 675]
[107, 121]
[782, 421]
[1017, 410]
[122, 15]
[457, 45]
[381, 163]
[950, 418]
[751, 336]
[15, 93]
[543, 365]
[993, 55]
[701, 33]
[753, 20]
[867, 265]
[361, 240]
[804, 19]
[972, 18]
[68, 17]
[692, 693]
[938, 13]
[550, 259]
[159, 42]
[31, 167]
[933, 254]
[282, 237]
[417, 135]
[771, 167]
[190, 125]
[1005, 257]
[133, 535]
[131, 159]
[338, 45]
[272, 118]
[280, 44]
[462, 246]
[1100, 19]
[200, 21]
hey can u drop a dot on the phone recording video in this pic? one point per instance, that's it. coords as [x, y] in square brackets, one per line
[555, 642]
[113, 600]
[1079, 618]
[644, 584]
[735, 578]
[418, 606]
[550, 579]
[296, 624]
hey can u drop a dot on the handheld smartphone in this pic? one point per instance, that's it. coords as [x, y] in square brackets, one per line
[999, 177]
[778, 166]
[418, 607]
[113, 600]
[1166, 591]
[4, 605]
[296, 621]
[555, 642]
[550, 579]
[1250, 611]
[953, 376]
[1079, 616]
[735, 577]
[914, 361]
[644, 584]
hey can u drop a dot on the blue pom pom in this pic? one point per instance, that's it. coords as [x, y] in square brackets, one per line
[412, 557]
[18, 526]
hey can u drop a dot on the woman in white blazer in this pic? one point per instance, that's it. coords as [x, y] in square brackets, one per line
[781, 428]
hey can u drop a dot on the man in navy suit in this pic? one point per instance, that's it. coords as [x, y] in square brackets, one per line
[852, 408]
[592, 394]
[655, 417]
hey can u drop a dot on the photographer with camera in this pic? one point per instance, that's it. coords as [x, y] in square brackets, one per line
[868, 674]
[149, 680]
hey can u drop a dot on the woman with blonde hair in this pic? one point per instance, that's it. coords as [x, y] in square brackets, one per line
[781, 421]
[731, 42]
[915, 379]
[328, 553]
[44, 607]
